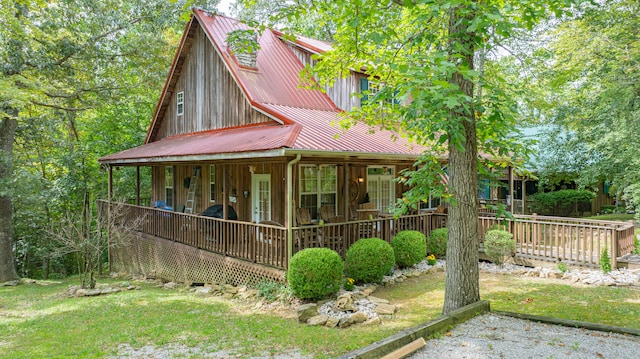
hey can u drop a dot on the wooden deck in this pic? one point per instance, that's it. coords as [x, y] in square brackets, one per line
[575, 241]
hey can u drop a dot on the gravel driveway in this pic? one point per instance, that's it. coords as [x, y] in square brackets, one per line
[494, 336]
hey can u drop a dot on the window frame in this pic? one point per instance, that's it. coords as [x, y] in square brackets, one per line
[318, 191]
[168, 186]
[212, 183]
[180, 103]
[378, 178]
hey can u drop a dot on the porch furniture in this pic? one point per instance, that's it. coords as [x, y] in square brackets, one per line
[303, 217]
[367, 210]
[328, 215]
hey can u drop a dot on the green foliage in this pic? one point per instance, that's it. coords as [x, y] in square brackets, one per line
[498, 245]
[562, 267]
[369, 260]
[410, 247]
[605, 261]
[315, 273]
[437, 242]
[272, 291]
[636, 244]
[561, 203]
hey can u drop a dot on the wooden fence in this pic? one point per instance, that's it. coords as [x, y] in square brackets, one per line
[547, 238]
[572, 240]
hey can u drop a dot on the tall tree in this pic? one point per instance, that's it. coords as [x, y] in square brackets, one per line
[586, 77]
[421, 54]
[73, 70]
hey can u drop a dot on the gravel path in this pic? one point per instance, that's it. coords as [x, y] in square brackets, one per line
[494, 336]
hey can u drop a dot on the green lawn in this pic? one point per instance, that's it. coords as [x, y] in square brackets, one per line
[39, 321]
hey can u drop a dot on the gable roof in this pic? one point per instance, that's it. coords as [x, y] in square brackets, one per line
[304, 117]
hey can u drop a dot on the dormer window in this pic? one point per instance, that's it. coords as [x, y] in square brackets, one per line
[180, 103]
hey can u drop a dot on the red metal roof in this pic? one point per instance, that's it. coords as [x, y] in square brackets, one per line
[235, 140]
[309, 118]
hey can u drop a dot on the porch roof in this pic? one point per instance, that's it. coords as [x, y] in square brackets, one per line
[315, 131]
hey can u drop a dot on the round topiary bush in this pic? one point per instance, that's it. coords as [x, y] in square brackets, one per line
[315, 273]
[498, 245]
[368, 260]
[410, 247]
[437, 242]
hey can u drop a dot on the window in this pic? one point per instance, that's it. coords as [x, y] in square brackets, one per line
[371, 88]
[318, 187]
[380, 187]
[180, 103]
[212, 183]
[168, 186]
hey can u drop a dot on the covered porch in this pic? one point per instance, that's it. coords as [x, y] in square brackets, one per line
[269, 245]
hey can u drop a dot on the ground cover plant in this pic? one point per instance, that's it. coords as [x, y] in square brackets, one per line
[40, 321]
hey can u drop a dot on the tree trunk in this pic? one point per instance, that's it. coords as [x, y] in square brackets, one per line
[462, 278]
[7, 262]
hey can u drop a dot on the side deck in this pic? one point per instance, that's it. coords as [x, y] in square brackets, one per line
[552, 239]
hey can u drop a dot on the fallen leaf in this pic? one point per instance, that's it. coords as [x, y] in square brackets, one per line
[447, 334]
[599, 355]
[527, 328]
[464, 344]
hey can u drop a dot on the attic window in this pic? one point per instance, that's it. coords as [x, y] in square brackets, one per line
[180, 103]
[244, 46]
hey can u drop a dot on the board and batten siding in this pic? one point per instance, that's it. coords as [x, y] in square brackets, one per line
[212, 98]
[344, 90]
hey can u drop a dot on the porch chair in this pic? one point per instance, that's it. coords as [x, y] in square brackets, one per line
[328, 215]
[303, 217]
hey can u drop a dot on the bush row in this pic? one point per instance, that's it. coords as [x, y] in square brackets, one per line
[315, 273]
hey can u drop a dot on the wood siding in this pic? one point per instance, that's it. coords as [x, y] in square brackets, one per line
[343, 90]
[212, 98]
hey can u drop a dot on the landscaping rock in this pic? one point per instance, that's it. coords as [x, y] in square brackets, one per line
[372, 321]
[306, 311]
[318, 320]
[344, 303]
[385, 309]
[332, 322]
[170, 285]
[204, 290]
[377, 300]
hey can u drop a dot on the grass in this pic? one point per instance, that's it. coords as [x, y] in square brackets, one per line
[39, 321]
[623, 217]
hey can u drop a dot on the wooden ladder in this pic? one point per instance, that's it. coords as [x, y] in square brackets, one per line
[193, 188]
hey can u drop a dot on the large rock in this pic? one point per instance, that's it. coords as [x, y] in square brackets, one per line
[332, 322]
[203, 290]
[344, 303]
[306, 311]
[385, 309]
[377, 300]
[318, 320]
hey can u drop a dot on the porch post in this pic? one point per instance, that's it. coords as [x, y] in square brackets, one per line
[289, 205]
[346, 195]
[137, 185]
[109, 198]
[511, 189]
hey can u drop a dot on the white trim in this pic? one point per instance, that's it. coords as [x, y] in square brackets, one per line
[180, 103]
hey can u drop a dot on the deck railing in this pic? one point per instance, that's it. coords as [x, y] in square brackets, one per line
[572, 240]
[549, 238]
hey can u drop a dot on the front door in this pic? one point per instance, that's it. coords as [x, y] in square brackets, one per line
[261, 198]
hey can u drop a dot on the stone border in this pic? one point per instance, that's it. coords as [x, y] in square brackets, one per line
[571, 323]
[388, 345]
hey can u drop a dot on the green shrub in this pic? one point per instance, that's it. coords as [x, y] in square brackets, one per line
[562, 267]
[437, 243]
[498, 245]
[605, 261]
[272, 291]
[368, 260]
[315, 273]
[410, 247]
[561, 203]
[636, 245]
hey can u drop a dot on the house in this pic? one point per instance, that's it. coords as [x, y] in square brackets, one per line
[237, 138]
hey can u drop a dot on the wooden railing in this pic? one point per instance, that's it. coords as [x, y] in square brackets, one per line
[548, 238]
[258, 243]
[572, 240]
